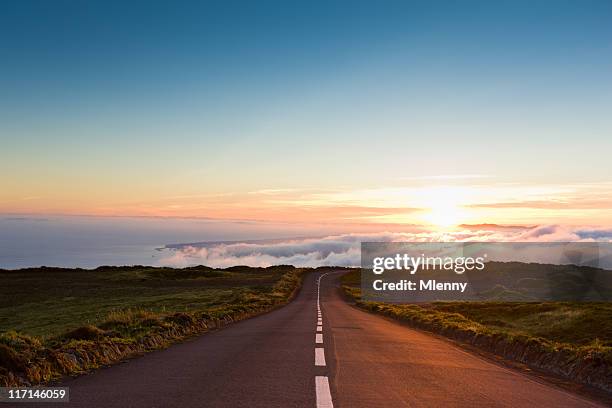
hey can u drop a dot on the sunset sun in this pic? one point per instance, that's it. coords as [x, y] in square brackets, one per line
[444, 216]
[443, 207]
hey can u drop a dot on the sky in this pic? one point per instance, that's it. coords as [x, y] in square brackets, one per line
[338, 112]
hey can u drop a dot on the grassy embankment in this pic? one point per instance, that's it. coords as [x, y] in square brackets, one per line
[56, 322]
[572, 339]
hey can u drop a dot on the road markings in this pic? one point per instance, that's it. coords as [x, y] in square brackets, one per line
[319, 356]
[324, 399]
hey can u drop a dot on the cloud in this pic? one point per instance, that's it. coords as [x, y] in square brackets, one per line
[344, 249]
[449, 177]
[24, 219]
[556, 204]
[548, 233]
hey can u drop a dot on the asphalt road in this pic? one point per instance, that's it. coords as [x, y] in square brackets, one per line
[286, 359]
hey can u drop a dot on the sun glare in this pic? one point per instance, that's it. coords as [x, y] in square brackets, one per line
[443, 208]
[443, 216]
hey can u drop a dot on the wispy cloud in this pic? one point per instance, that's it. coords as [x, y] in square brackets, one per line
[552, 204]
[449, 177]
[455, 198]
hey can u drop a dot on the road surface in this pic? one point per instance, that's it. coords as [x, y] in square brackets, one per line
[307, 356]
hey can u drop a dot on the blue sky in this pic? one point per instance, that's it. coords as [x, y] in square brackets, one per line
[112, 107]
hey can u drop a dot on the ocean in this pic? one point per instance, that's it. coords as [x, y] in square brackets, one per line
[89, 242]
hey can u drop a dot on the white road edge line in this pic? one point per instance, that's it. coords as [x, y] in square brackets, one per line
[319, 338]
[320, 356]
[324, 399]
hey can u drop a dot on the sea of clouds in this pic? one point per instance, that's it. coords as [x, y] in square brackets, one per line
[344, 249]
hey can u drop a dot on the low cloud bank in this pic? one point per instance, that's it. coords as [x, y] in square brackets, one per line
[344, 249]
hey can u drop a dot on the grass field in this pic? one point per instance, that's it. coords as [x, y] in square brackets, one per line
[572, 323]
[47, 302]
[72, 320]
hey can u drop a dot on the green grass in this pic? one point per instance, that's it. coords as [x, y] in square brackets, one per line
[46, 302]
[56, 322]
[574, 323]
[579, 324]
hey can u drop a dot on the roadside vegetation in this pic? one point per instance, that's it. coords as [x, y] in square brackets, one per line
[572, 339]
[56, 322]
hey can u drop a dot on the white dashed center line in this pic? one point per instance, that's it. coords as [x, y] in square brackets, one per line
[320, 356]
[323, 394]
[324, 399]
